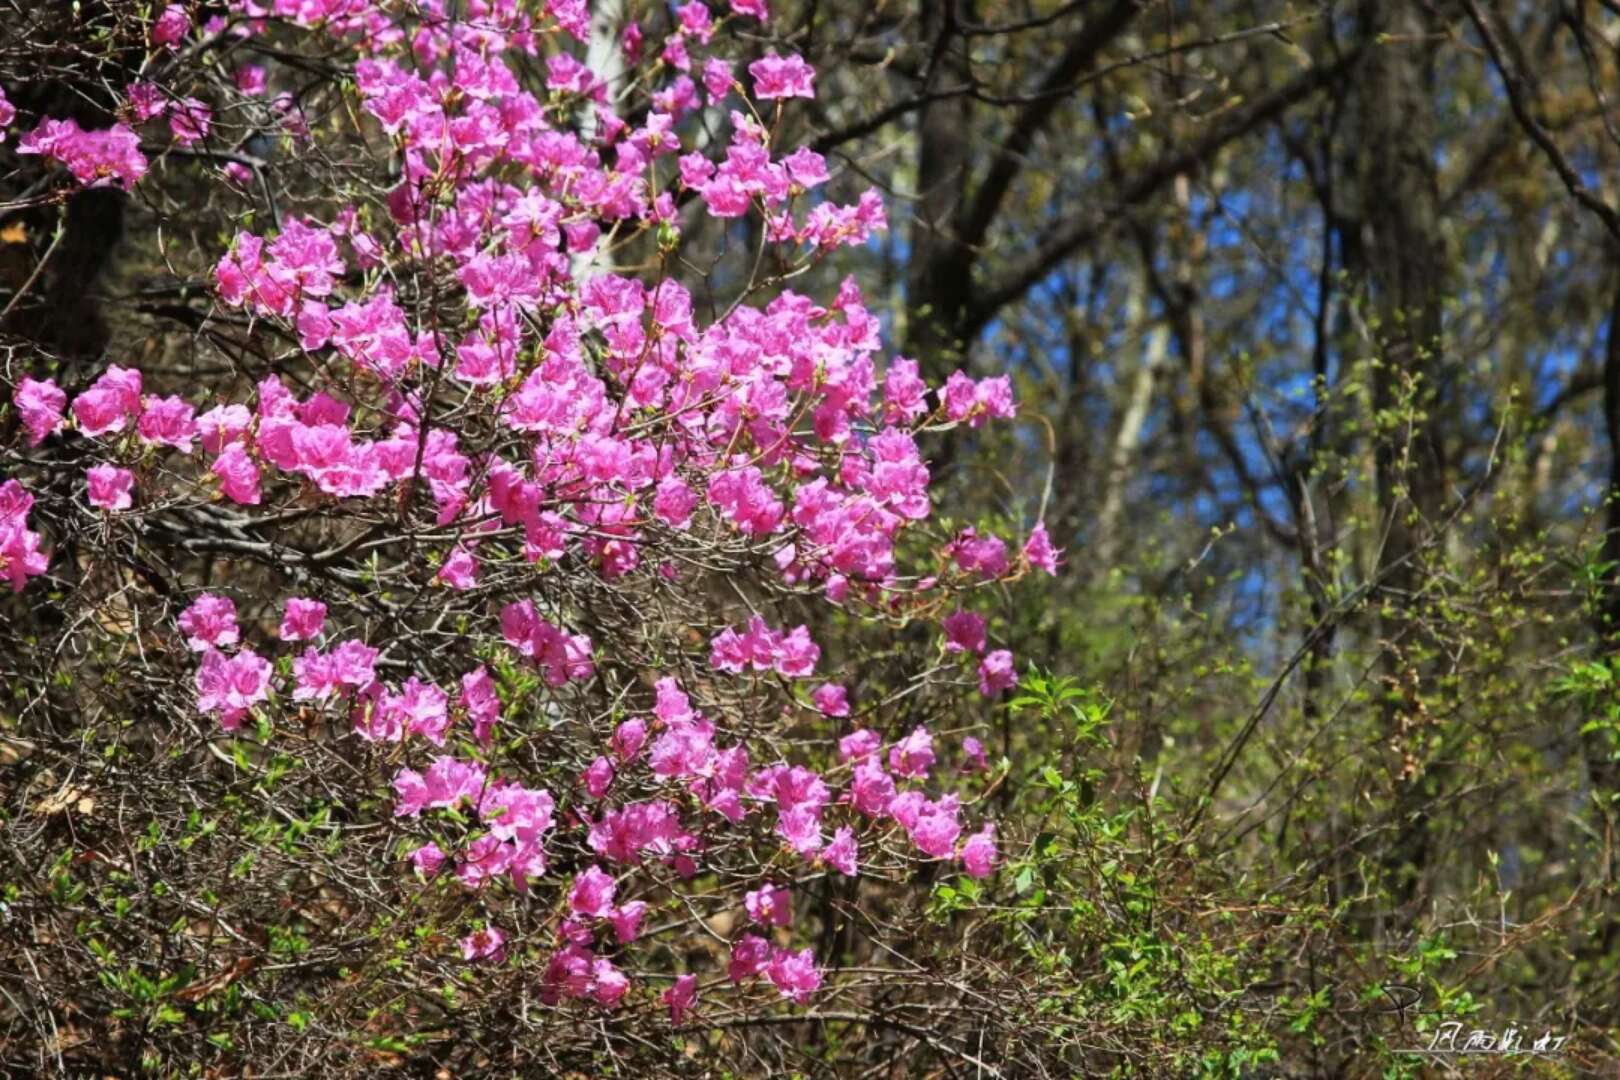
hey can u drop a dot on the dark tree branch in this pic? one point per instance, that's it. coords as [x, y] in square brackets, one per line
[1076, 234]
[1513, 83]
[1009, 160]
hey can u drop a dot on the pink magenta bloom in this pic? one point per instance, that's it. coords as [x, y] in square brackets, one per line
[190, 121]
[592, 894]
[795, 974]
[769, 905]
[782, 77]
[872, 790]
[964, 632]
[628, 739]
[483, 704]
[912, 755]
[859, 744]
[608, 983]
[460, 570]
[843, 853]
[210, 623]
[109, 403]
[681, 997]
[598, 776]
[978, 853]
[974, 756]
[626, 920]
[996, 673]
[171, 26]
[427, 859]
[20, 557]
[110, 487]
[40, 406]
[422, 709]
[749, 957]
[1040, 552]
[831, 699]
[93, 157]
[487, 944]
[231, 686]
[936, 828]
[238, 475]
[221, 425]
[302, 619]
[169, 421]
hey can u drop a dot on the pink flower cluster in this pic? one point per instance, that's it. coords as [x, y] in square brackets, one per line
[20, 556]
[95, 158]
[563, 423]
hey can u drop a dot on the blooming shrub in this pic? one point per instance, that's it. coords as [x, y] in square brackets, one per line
[555, 561]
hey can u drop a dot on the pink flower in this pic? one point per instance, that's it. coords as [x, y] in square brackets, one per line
[221, 425]
[592, 894]
[597, 777]
[843, 853]
[913, 755]
[978, 853]
[20, 557]
[40, 406]
[903, 392]
[795, 974]
[769, 905]
[718, 78]
[1039, 550]
[935, 829]
[797, 655]
[460, 570]
[626, 920]
[964, 632]
[629, 738]
[146, 100]
[169, 421]
[109, 403]
[983, 555]
[681, 997]
[608, 983]
[250, 79]
[974, 756]
[448, 781]
[93, 157]
[487, 944]
[782, 77]
[674, 501]
[996, 673]
[421, 709]
[302, 619]
[872, 790]
[171, 26]
[231, 686]
[352, 663]
[189, 121]
[749, 956]
[483, 704]
[210, 623]
[8, 113]
[427, 859]
[977, 402]
[563, 657]
[831, 699]
[238, 475]
[859, 745]
[110, 487]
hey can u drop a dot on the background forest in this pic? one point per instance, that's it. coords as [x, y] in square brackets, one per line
[1312, 310]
